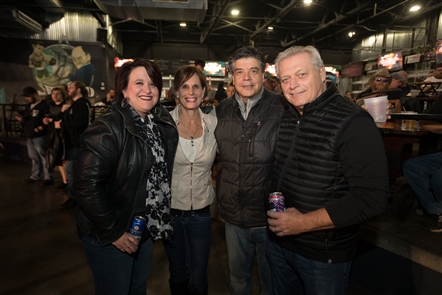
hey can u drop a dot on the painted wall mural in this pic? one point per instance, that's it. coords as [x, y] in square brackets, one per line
[59, 64]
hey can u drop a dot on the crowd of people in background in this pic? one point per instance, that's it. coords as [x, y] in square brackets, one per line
[139, 159]
[53, 134]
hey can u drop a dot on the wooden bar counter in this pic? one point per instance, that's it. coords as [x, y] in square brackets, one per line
[398, 143]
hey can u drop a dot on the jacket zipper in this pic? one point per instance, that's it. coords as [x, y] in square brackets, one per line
[252, 139]
[241, 156]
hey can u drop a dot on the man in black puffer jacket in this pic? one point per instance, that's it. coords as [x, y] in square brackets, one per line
[331, 167]
[246, 135]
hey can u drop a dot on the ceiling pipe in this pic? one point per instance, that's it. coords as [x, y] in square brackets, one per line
[332, 22]
[221, 8]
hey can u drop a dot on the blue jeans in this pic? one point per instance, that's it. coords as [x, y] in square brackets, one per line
[295, 274]
[115, 272]
[424, 174]
[242, 244]
[71, 168]
[37, 153]
[188, 252]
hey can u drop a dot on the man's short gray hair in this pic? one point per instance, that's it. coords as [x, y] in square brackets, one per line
[315, 57]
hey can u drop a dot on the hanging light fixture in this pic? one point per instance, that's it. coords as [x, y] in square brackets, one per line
[415, 7]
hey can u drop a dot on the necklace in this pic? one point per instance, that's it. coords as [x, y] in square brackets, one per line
[187, 132]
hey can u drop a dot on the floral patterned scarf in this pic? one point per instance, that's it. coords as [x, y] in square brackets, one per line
[158, 196]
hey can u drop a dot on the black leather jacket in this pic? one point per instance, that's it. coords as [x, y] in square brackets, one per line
[113, 167]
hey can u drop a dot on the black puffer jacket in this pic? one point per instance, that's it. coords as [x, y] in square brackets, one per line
[246, 153]
[331, 157]
[113, 167]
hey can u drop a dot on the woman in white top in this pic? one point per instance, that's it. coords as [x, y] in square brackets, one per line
[192, 191]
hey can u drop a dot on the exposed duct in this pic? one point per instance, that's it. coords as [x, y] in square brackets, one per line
[13, 20]
[172, 10]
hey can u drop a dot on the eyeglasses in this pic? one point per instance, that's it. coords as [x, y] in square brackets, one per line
[381, 80]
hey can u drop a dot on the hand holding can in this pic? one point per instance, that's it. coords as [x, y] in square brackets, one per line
[276, 202]
[137, 227]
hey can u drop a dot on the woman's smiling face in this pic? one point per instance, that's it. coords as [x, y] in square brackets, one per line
[191, 93]
[141, 93]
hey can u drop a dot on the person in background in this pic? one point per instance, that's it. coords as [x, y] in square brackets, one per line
[200, 63]
[220, 92]
[434, 78]
[399, 80]
[270, 83]
[424, 173]
[247, 128]
[330, 77]
[124, 170]
[378, 81]
[278, 88]
[209, 99]
[192, 191]
[76, 118]
[396, 80]
[35, 133]
[348, 95]
[329, 189]
[56, 150]
[110, 98]
[404, 86]
[64, 88]
[230, 90]
[437, 75]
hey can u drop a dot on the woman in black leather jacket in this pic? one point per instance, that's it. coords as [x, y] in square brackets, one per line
[124, 170]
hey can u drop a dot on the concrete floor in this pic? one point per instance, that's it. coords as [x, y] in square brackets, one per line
[40, 252]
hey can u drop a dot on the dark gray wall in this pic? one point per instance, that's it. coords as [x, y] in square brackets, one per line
[219, 53]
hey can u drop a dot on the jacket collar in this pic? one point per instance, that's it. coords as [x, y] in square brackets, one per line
[319, 102]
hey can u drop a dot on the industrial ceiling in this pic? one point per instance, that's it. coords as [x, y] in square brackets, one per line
[280, 23]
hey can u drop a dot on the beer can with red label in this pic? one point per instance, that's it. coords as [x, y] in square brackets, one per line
[276, 202]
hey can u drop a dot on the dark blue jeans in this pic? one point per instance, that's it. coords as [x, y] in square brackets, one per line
[424, 174]
[115, 272]
[242, 245]
[295, 274]
[71, 169]
[189, 250]
[37, 153]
